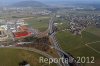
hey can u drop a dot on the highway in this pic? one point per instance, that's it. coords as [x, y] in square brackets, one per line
[61, 53]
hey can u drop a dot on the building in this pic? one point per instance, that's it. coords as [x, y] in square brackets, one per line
[3, 35]
[22, 34]
[15, 29]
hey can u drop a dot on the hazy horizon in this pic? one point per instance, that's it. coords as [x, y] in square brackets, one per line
[6, 2]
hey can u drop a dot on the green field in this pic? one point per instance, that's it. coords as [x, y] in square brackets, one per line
[76, 45]
[12, 57]
[39, 22]
[95, 46]
[94, 30]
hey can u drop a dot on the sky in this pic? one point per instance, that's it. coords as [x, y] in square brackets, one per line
[45, 0]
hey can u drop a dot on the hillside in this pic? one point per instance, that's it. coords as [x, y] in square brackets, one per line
[12, 57]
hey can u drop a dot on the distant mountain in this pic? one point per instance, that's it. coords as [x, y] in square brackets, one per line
[29, 4]
[88, 5]
[77, 3]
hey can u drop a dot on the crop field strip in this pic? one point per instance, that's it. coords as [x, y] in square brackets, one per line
[91, 47]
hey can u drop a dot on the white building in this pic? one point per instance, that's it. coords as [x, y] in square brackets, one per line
[3, 34]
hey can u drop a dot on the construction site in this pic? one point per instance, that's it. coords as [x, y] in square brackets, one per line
[14, 30]
[18, 33]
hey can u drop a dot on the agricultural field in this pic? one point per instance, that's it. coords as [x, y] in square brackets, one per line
[39, 22]
[85, 45]
[88, 45]
[94, 30]
[12, 57]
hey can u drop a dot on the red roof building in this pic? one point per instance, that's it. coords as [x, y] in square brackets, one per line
[22, 34]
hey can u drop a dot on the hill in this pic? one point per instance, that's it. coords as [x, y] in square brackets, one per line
[29, 4]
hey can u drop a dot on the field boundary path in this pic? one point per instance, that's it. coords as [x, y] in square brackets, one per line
[92, 47]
